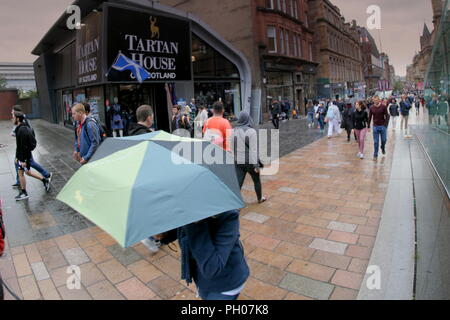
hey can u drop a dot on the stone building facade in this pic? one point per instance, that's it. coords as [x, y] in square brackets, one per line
[277, 39]
[372, 63]
[337, 48]
[416, 71]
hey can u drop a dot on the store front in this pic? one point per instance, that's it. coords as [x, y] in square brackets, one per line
[175, 59]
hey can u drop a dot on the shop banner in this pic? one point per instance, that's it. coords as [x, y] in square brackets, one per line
[88, 50]
[161, 45]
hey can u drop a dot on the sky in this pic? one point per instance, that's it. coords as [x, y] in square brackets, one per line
[23, 23]
[401, 26]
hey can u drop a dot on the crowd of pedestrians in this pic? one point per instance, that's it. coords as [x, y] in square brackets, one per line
[212, 255]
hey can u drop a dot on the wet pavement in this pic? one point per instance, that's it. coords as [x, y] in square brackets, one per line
[42, 217]
[311, 240]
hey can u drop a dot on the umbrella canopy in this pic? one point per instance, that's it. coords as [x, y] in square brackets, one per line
[140, 186]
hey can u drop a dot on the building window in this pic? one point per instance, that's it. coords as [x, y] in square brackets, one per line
[310, 52]
[295, 9]
[299, 42]
[291, 7]
[283, 6]
[286, 39]
[272, 39]
[295, 45]
[282, 40]
[269, 4]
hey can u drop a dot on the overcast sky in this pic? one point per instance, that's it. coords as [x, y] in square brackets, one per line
[401, 26]
[24, 22]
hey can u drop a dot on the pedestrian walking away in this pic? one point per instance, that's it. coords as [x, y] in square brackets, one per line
[380, 116]
[245, 149]
[333, 119]
[217, 129]
[310, 113]
[87, 135]
[417, 105]
[394, 113]
[200, 121]
[25, 144]
[360, 121]
[212, 256]
[405, 107]
[33, 164]
[276, 111]
[347, 120]
[320, 116]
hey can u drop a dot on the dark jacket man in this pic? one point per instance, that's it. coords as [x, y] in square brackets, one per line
[212, 254]
[26, 143]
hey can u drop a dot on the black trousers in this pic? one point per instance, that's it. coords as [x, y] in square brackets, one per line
[242, 170]
[276, 121]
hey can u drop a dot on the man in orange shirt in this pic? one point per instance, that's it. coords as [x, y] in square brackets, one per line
[218, 129]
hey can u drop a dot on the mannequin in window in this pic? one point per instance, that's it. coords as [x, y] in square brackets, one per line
[116, 118]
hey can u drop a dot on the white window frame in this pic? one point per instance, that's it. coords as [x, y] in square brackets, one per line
[271, 4]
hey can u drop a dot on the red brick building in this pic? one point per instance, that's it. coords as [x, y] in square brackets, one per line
[8, 98]
[276, 38]
[337, 47]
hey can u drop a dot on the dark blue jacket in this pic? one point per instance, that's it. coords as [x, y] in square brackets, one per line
[405, 106]
[89, 139]
[212, 254]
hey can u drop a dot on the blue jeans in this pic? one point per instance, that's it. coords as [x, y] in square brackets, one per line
[377, 132]
[322, 123]
[310, 117]
[216, 296]
[36, 166]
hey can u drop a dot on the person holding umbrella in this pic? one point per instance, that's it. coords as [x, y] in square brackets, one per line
[144, 115]
[213, 257]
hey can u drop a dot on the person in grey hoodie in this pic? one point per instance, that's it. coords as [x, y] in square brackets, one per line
[244, 142]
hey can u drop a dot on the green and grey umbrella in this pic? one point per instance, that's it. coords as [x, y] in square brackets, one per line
[140, 186]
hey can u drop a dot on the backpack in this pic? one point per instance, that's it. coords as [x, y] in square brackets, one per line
[32, 140]
[2, 232]
[101, 128]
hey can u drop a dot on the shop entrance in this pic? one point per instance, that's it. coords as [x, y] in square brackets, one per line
[131, 97]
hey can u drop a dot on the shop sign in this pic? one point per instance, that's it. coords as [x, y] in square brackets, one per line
[161, 45]
[88, 50]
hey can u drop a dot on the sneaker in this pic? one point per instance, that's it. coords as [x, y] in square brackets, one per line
[23, 195]
[46, 183]
[383, 151]
[50, 177]
[152, 244]
[15, 185]
[361, 156]
[375, 159]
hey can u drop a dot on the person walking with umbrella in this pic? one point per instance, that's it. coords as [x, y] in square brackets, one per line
[144, 115]
[245, 149]
[213, 257]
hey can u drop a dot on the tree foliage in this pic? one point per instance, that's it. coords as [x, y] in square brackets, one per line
[3, 83]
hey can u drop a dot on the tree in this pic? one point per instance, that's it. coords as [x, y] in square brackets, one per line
[3, 83]
[398, 86]
[27, 94]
